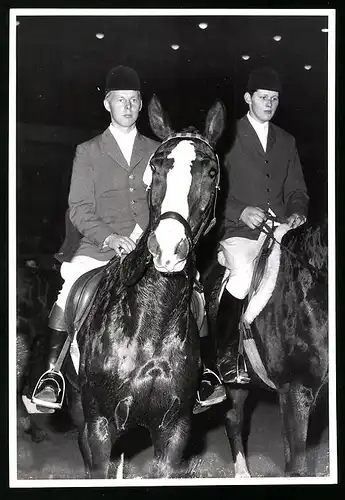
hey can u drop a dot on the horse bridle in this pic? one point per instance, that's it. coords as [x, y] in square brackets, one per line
[211, 206]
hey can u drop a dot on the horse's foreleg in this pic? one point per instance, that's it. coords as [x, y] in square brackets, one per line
[295, 406]
[85, 451]
[77, 415]
[234, 428]
[97, 440]
[169, 444]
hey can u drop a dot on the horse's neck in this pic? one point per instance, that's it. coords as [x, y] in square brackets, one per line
[171, 289]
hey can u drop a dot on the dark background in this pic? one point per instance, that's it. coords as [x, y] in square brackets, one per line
[61, 67]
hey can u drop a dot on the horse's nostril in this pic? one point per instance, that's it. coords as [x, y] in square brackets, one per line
[182, 248]
[152, 244]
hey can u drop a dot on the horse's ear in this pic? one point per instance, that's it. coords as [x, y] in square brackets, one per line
[215, 122]
[158, 120]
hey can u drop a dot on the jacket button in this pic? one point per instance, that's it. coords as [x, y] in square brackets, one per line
[266, 161]
[132, 201]
[131, 176]
[267, 190]
[131, 189]
[267, 175]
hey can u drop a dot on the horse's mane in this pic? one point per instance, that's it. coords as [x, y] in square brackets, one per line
[310, 242]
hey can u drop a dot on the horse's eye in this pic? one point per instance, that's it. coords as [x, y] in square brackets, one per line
[212, 173]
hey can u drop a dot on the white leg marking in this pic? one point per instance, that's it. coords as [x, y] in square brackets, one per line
[241, 469]
[119, 471]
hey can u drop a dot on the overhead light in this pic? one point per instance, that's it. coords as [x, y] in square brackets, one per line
[277, 38]
[307, 67]
[99, 36]
[203, 26]
[175, 46]
[245, 57]
[324, 30]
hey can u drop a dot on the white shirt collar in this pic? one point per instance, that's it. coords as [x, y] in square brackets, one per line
[121, 135]
[261, 130]
[257, 125]
[125, 141]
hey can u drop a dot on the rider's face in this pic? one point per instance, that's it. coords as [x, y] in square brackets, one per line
[262, 104]
[124, 107]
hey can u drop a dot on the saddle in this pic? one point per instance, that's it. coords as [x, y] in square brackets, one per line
[81, 297]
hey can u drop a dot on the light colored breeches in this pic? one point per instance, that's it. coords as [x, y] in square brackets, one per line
[71, 271]
[238, 256]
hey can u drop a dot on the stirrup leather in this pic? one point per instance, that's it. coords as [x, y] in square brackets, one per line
[58, 379]
[240, 378]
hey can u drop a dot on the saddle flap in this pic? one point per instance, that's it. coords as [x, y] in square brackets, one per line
[81, 297]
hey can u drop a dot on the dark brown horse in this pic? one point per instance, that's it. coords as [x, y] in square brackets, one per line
[139, 346]
[285, 345]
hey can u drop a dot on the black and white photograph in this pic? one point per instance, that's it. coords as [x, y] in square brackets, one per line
[172, 247]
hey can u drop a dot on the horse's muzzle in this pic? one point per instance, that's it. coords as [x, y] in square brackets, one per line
[168, 257]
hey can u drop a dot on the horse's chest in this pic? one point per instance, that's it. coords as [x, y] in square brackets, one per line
[141, 362]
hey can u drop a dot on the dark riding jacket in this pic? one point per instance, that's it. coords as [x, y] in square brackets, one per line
[272, 179]
[107, 195]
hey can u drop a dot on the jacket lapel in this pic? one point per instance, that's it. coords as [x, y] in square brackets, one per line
[111, 147]
[252, 139]
[271, 138]
[250, 136]
[138, 150]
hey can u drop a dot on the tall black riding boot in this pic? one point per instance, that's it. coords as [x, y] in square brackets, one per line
[231, 366]
[211, 390]
[50, 388]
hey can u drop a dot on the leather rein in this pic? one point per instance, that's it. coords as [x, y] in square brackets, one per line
[269, 231]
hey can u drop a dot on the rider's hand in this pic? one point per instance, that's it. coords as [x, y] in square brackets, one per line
[252, 217]
[296, 220]
[121, 244]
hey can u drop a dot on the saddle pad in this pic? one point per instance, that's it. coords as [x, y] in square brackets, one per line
[266, 287]
[238, 254]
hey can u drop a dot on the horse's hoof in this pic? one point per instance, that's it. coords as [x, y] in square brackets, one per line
[38, 435]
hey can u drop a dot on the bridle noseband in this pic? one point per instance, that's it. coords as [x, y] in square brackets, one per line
[211, 206]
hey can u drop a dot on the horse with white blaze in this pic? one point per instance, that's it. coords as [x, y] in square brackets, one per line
[139, 345]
